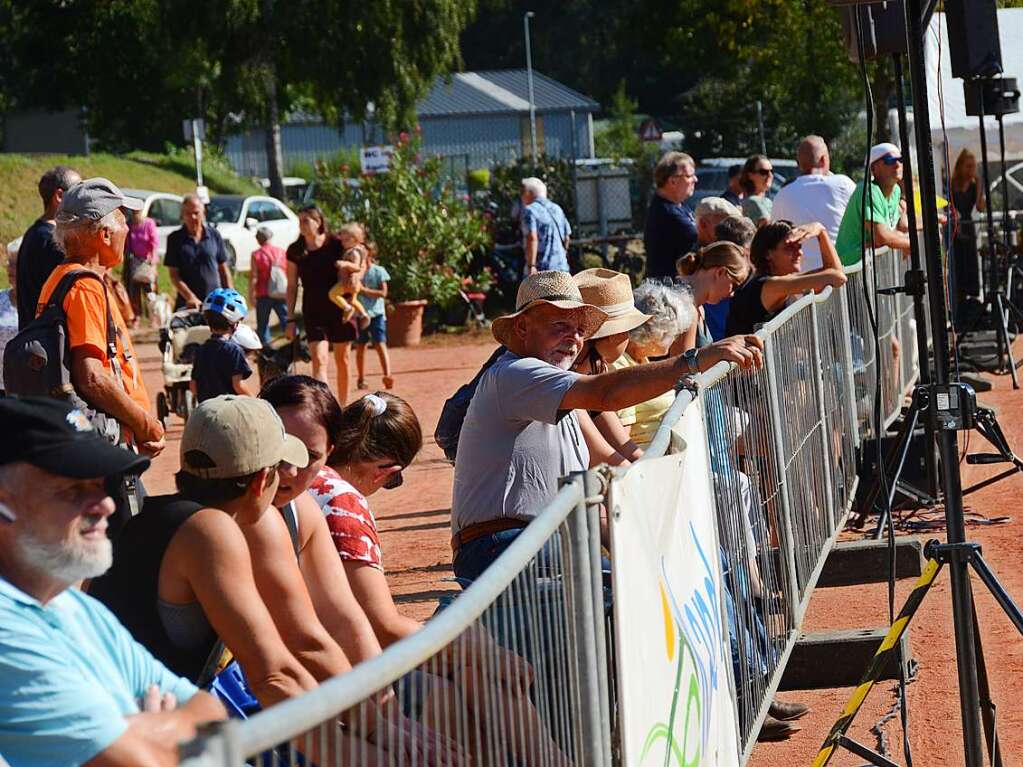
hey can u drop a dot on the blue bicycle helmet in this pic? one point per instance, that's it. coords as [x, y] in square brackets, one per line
[228, 302]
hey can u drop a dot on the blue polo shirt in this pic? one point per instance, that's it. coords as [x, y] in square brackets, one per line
[670, 233]
[547, 220]
[197, 262]
[69, 675]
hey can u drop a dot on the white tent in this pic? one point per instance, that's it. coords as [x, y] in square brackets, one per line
[945, 97]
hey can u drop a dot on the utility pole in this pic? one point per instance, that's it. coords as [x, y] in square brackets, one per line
[529, 78]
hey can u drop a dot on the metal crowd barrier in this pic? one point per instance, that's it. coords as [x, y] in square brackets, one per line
[511, 672]
[519, 668]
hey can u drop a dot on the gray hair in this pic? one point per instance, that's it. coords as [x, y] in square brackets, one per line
[264, 234]
[74, 235]
[716, 206]
[671, 311]
[535, 186]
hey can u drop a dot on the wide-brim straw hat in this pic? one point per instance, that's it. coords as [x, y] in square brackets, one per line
[612, 292]
[556, 289]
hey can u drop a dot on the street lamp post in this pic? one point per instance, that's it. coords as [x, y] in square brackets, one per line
[529, 79]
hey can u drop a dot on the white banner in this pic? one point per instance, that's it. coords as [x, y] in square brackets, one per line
[674, 677]
[375, 159]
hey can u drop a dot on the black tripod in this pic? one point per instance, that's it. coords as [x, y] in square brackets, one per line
[997, 303]
[948, 410]
[914, 285]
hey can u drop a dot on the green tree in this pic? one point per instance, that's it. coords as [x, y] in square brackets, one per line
[141, 66]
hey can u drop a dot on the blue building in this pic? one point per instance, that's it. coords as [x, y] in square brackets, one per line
[472, 119]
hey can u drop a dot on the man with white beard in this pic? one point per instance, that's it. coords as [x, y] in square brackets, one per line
[520, 435]
[74, 686]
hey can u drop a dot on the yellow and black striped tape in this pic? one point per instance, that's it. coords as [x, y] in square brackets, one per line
[891, 641]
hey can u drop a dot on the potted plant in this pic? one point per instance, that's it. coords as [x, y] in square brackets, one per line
[426, 235]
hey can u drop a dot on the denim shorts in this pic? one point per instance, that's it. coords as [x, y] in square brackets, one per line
[377, 331]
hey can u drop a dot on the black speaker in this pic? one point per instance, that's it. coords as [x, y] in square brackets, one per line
[973, 44]
[999, 96]
[883, 25]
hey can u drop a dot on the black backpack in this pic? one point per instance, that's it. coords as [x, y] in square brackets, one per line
[452, 416]
[37, 361]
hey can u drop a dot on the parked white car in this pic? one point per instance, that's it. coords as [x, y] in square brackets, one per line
[237, 218]
[163, 207]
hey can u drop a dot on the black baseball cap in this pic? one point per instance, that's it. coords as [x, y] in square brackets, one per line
[58, 438]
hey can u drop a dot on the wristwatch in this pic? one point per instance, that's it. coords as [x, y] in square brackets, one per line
[692, 366]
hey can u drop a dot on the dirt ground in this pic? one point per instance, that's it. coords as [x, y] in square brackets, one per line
[414, 524]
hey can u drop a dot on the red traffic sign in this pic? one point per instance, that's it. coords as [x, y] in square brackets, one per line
[649, 130]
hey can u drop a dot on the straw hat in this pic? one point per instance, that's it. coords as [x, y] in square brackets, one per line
[612, 292]
[556, 289]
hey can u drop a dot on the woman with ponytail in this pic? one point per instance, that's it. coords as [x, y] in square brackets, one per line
[712, 274]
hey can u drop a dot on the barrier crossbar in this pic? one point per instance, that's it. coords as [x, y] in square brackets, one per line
[520, 667]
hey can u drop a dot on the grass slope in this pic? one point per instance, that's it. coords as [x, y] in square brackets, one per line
[19, 177]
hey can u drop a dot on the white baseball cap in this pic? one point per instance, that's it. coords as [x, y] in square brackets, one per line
[882, 150]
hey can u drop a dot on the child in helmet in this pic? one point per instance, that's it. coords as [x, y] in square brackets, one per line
[220, 366]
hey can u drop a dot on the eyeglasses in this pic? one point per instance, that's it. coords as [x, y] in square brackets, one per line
[764, 171]
[890, 159]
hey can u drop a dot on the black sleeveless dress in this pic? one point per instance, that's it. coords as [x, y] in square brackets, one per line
[964, 247]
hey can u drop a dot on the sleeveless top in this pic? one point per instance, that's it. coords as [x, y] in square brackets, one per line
[965, 201]
[748, 309]
[131, 587]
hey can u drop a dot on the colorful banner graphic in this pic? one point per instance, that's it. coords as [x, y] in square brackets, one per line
[674, 678]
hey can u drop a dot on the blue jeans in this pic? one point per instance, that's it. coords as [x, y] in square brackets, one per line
[264, 306]
[476, 556]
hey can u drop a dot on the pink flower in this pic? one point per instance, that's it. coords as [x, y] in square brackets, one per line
[403, 137]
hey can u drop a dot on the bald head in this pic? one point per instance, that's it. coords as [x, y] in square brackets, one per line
[812, 155]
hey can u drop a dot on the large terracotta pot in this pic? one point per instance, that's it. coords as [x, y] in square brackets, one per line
[405, 323]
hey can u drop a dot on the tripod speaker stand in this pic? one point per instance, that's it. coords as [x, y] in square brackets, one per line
[999, 97]
[947, 409]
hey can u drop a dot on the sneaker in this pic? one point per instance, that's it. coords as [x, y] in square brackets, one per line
[347, 314]
[787, 712]
[774, 730]
[363, 321]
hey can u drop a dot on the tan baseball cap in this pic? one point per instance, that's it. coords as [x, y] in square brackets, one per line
[232, 436]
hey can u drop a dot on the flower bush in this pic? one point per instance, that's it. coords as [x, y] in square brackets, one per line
[426, 235]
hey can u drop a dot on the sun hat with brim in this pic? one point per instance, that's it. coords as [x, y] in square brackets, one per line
[231, 436]
[92, 199]
[553, 288]
[58, 438]
[610, 291]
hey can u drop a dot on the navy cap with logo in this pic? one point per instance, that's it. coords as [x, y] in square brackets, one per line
[55, 437]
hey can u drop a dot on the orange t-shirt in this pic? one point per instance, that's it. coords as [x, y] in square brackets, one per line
[86, 310]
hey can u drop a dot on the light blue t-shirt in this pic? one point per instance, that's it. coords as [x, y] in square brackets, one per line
[548, 220]
[69, 674]
[374, 278]
[516, 443]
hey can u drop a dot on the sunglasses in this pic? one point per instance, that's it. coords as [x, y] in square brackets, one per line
[393, 481]
[764, 171]
[890, 159]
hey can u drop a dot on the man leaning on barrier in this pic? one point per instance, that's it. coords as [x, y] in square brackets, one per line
[520, 435]
[74, 686]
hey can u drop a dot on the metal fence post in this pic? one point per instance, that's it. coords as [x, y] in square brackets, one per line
[595, 497]
[845, 319]
[216, 744]
[821, 410]
[584, 617]
[787, 543]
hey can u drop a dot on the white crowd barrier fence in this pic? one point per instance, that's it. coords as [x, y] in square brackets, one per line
[664, 640]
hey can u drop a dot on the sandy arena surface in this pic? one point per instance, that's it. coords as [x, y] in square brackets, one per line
[414, 525]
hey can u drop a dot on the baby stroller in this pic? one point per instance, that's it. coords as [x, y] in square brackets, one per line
[179, 340]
